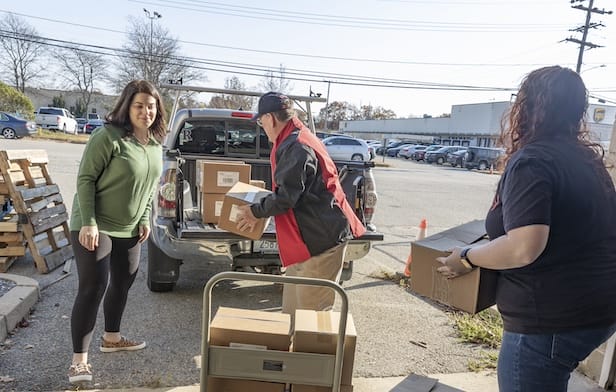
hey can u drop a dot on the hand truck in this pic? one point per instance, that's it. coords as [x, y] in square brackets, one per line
[271, 365]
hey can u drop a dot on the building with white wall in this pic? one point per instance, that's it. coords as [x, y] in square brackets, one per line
[469, 124]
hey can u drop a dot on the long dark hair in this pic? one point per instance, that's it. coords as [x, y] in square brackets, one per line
[551, 105]
[119, 115]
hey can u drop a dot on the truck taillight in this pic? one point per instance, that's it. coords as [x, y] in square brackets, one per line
[167, 195]
[370, 197]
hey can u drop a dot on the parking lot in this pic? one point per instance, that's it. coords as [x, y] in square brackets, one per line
[390, 319]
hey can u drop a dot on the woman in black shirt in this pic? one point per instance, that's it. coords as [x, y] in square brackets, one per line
[552, 226]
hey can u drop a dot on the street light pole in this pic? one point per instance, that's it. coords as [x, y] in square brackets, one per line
[151, 16]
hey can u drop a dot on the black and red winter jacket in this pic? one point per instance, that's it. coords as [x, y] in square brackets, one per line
[308, 203]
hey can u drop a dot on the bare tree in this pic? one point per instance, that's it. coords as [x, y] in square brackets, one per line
[232, 101]
[338, 111]
[151, 53]
[276, 81]
[81, 69]
[21, 46]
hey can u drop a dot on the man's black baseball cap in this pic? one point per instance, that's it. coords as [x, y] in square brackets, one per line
[272, 102]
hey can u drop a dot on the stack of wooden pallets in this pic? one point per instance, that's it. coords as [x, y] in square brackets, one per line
[39, 216]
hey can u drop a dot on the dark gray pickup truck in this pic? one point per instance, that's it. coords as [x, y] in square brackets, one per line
[225, 135]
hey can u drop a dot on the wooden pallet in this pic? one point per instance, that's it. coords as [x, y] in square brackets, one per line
[39, 204]
[11, 241]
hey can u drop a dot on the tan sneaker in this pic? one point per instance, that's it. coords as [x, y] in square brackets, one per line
[80, 372]
[122, 345]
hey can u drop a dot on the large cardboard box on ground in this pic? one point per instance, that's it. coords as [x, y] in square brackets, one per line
[317, 332]
[219, 177]
[242, 194]
[211, 206]
[266, 330]
[471, 292]
[233, 385]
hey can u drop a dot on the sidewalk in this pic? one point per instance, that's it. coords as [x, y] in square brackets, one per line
[17, 302]
[454, 382]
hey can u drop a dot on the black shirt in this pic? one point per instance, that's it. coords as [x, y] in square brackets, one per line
[572, 284]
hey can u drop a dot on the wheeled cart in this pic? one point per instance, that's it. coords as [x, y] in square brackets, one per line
[270, 365]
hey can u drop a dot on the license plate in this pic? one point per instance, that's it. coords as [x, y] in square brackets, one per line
[265, 246]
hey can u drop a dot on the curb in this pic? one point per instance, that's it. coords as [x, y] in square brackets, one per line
[17, 302]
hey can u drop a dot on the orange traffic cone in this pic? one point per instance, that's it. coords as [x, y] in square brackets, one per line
[423, 229]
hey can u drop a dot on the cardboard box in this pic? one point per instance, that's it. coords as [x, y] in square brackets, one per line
[266, 330]
[317, 332]
[312, 388]
[211, 206]
[471, 292]
[242, 194]
[233, 385]
[219, 177]
[258, 183]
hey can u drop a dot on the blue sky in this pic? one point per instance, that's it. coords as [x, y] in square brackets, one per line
[479, 43]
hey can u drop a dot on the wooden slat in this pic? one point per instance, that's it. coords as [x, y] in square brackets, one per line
[10, 223]
[11, 237]
[34, 156]
[42, 191]
[36, 217]
[50, 223]
[13, 251]
[36, 206]
[57, 258]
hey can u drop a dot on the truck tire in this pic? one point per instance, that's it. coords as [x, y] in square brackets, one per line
[160, 264]
[440, 161]
[483, 165]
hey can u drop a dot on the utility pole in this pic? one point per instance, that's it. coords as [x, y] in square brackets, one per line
[584, 29]
[327, 104]
[151, 16]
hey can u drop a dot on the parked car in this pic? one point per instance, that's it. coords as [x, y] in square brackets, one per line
[394, 151]
[419, 155]
[383, 150]
[407, 151]
[91, 125]
[81, 123]
[440, 156]
[482, 158]
[456, 158]
[94, 116]
[13, 126]
[343, 148]
[58, 119]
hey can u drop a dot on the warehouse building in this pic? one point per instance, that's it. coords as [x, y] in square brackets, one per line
[468, 125]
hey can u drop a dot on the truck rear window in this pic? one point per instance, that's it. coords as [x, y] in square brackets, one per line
[223, 137]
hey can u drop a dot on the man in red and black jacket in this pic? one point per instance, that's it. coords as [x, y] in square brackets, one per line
[313, 218]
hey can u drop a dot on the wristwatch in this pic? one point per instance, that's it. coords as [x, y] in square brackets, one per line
[465, 260]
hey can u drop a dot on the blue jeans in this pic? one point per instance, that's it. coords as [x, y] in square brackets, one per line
[544, 362]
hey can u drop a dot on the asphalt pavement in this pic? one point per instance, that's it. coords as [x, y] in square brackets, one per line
[389, 318]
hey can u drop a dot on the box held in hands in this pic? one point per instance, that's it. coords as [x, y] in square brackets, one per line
[471, 292]
[242, 194]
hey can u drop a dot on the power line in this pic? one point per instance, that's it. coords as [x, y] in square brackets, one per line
[347, 22]
[301, 55]
[244, 69]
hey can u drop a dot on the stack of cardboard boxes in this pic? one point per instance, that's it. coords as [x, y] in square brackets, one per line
[215, 179]
[223, 186]
[315, 332]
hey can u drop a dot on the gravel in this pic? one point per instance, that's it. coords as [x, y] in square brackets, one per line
[5, 286]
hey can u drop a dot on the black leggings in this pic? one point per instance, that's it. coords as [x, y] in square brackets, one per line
[112, 266]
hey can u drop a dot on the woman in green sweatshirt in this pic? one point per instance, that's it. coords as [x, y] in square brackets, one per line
[110, 217]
